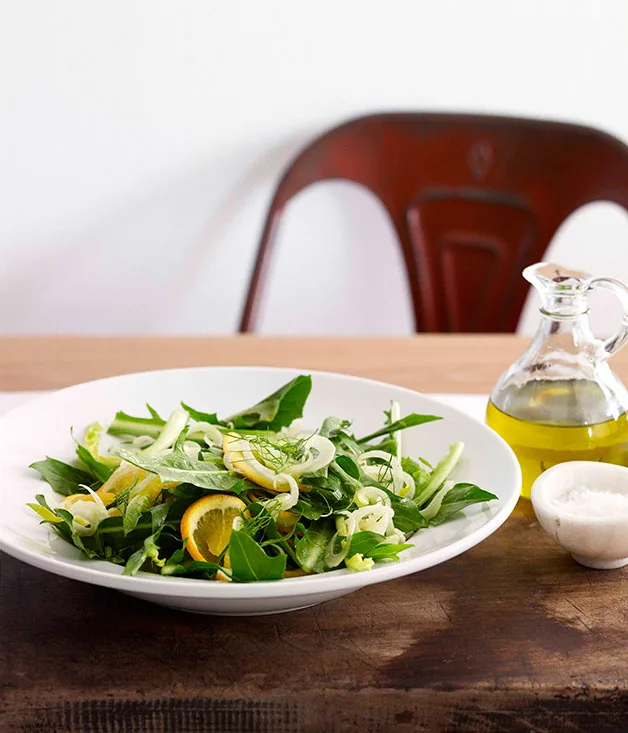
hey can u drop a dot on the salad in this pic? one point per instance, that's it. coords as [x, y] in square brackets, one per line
[252, 496]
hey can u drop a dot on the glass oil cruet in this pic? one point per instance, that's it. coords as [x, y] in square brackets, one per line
[560, 401]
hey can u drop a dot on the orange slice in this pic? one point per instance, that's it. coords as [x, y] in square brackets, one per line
[206, 525]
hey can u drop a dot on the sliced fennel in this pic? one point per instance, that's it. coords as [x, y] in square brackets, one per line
[307, 502]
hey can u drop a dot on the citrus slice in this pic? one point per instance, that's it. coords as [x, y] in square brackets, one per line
[123, 478]
[69, 501]
[286, 521]
[252, 469]
[206, 525]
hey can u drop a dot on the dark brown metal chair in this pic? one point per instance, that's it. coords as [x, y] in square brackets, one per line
[473, 200]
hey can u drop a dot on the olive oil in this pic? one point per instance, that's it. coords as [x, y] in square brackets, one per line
[547, 422]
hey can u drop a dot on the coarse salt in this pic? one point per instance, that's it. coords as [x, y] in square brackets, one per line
[585, 502]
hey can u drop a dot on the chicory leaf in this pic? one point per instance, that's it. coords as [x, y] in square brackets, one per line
[91, 441]
[63, 526]
[42, 508]
[407, 517]
[199, 416]
[153, 413]
[186, 491]
[457, 498]
[310, 549]
[418, 471]
[333, 492]
[134, 510]
[177, 466]
[249, 562]
[313, 506]
[276, 411]
[349, 466]
[371, 544]
[409, 421]
[148, 551]
[158, 516]
[192, 569]
[63, 478]
[333, 427]
[100, 471]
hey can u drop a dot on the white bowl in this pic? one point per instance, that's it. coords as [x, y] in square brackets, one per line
[42, 428]
[599, 542]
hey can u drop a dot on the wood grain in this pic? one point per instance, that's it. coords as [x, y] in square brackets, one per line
[510, 636]
[426, 363]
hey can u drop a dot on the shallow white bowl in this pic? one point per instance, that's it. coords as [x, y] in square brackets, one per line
[42, 428]
[599, 542]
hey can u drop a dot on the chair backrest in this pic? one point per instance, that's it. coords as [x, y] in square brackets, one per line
[473, 200]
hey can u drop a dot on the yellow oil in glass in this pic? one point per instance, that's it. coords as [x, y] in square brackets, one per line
[549, 422]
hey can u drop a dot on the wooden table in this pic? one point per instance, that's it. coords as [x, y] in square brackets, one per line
[511, 636]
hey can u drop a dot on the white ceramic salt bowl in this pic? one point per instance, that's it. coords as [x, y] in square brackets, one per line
[599, 542]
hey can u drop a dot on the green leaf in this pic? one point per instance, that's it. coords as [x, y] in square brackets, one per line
[186, 491]
[110, 533]
[249, 562]
[409, 421]
[327, 494]
[207, 417]
[313, 506]
[276, 411]
[363, 542]
[63, 526]
[349, 466]
[100, 471]
[91, 441]
[178, 466]
[389, 551]
[176, 564]
[139, 557]
[134, 510]
[192, 569]
[407, 517]
[345, 444]
[63, 478]
[333, 427]
[124, 424]
[149, 551]
[310, 549]
[109, 542]
[158, 515]
[45, 512]
[177, 557]
[259, 524]
[153, 413]
[457, 498]
[418, 471]
[376, 546]
[388, 446]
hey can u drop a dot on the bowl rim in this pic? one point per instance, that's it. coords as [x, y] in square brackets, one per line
[331, 581]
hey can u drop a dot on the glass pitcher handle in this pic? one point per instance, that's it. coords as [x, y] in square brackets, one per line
[615, 342]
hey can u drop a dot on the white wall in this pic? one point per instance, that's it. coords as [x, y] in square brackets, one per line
[140, 141]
